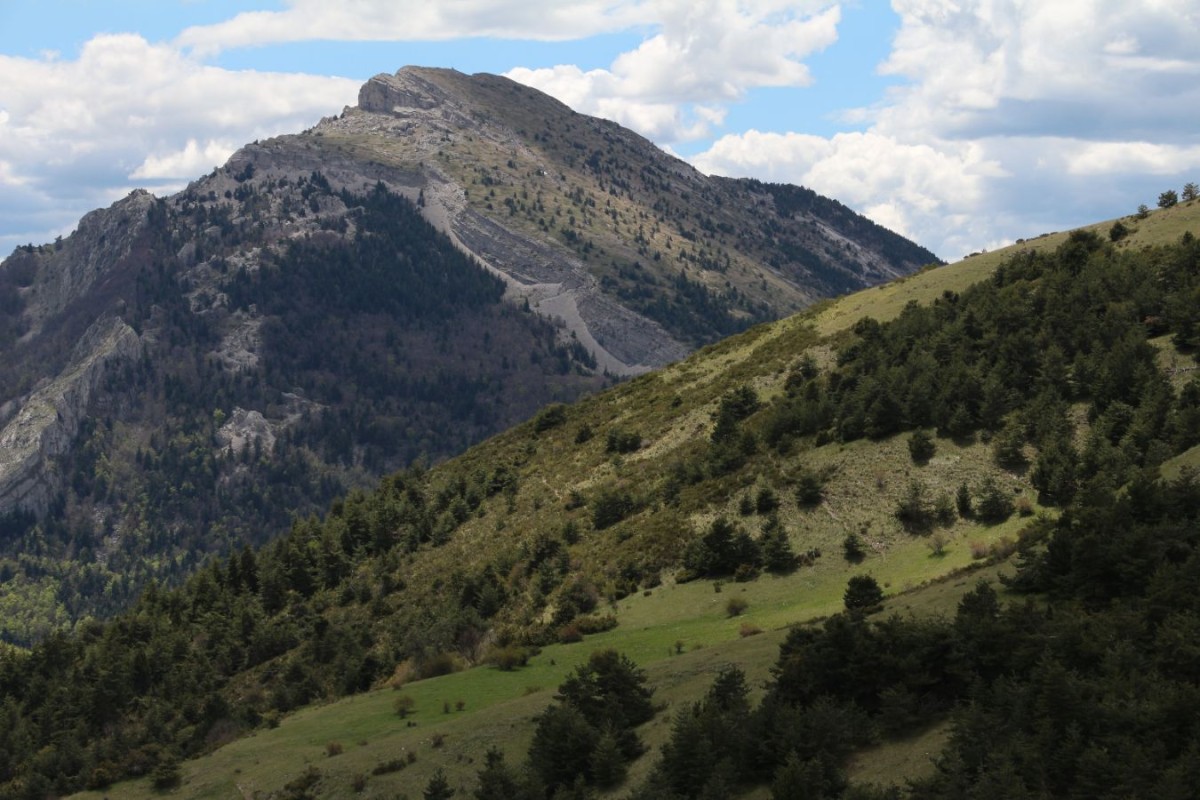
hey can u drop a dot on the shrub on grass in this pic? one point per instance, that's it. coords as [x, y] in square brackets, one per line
[749, 629]
[509, 657]
[995, 504]
[962, 501]
[570, 633]
[736, 606]
[944, 510]
[853, 549]
[921, 446]
[1003, 547]
[619, 441]
[810, 489]
[766, 500]
[595, 623]
[166, 775]
[334, 749]
[550, 417]
[862, 594]
[914, 510]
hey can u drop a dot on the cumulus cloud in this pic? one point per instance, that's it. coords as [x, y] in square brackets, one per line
[419, 20]
[190, 161]
[672, 87]
[913, 189]
[1016, 116]
[75, 134]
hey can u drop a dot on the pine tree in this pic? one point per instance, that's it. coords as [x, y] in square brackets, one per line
[777, 552]
[438, 787]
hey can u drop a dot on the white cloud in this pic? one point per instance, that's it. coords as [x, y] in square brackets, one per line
[1083, 68]
[192, 160]
[1017, 117]
[75, 133]
[419, 20]
[913, 189]
[671, 87]
[1108, 158]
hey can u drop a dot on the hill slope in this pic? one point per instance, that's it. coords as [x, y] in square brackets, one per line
[184, 375]
[772, 466]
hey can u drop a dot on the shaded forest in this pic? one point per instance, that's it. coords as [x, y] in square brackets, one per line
[1084, 692]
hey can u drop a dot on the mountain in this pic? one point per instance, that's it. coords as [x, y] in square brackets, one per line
[186, 374]
[1006, 417]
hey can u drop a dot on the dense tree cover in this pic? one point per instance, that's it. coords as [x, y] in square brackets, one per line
[584, 740]
[378, 348]
[1012, 355]
[318, 605]
[1090, 696]
[797, 203]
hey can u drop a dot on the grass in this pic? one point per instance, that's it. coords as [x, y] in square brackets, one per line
[1189, 459]
[894, 762]
[499, 707]
[681, 633]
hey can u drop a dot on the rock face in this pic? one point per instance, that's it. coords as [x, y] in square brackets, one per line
[46, 425]
[640, 256]
[390, 94]
[73, 269]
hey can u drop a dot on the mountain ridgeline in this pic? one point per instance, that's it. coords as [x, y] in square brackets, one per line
[1047, 401]
[184, 375]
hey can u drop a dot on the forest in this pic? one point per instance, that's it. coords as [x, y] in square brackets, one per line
[378, 349]
[1083, 685]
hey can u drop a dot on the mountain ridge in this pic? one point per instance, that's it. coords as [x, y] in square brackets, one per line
[564, 252]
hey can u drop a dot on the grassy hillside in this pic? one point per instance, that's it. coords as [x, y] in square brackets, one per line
[594, 510]
[1160, 227]
[499, 707]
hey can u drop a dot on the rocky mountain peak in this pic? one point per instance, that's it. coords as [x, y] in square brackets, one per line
[408, 89]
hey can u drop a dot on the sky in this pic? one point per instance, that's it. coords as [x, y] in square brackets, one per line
[962, 124]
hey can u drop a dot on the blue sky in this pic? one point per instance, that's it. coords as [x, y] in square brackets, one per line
[964, 124]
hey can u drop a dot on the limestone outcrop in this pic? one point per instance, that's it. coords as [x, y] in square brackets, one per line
[48, 420]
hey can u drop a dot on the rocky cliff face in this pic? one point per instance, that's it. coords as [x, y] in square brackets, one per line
[69, 271]
[45, 426]
[639, 254]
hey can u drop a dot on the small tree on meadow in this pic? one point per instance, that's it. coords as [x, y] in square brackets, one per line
[777, 552]
[1168, 199]
[862, 594]
[810, 489]
[914, 510]
[995, 504]
[1190, 191]
[921, 446]
[962, 501]
[853, 548]
[438, 787]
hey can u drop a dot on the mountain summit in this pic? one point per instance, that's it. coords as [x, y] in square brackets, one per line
[405, 278]
[642, 256]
